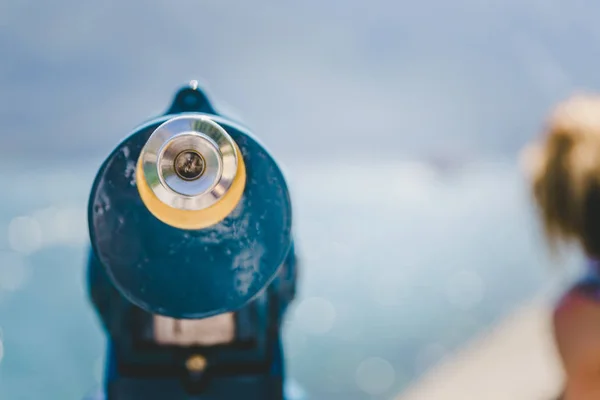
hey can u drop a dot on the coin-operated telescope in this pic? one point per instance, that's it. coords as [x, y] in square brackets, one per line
[192, 262]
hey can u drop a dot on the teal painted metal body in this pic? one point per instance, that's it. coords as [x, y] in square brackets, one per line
[140, 267]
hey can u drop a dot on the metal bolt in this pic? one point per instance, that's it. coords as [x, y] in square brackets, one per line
[196, 363]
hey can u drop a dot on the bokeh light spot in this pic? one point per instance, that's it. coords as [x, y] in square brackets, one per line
[24, 234]
[14, 272]
[293, 391]
[315, 315]
[375, 376]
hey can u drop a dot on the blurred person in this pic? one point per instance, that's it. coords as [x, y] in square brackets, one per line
[564, 167]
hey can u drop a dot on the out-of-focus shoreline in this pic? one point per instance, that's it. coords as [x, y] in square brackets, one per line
[516, 359]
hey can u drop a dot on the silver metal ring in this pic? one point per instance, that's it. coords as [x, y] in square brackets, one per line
[213, 173]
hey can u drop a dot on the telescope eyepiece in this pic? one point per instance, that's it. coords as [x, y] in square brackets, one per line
[190, 172]
[199, 228]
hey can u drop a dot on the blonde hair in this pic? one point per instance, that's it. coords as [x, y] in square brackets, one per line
[565, 172]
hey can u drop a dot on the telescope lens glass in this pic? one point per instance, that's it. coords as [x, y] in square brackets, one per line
[189, 165]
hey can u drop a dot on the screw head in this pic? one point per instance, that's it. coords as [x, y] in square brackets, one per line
[196, 363]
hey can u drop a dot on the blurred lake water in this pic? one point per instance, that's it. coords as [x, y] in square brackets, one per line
[402, 263]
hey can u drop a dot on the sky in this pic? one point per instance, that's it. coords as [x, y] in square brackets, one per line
[313, 79]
